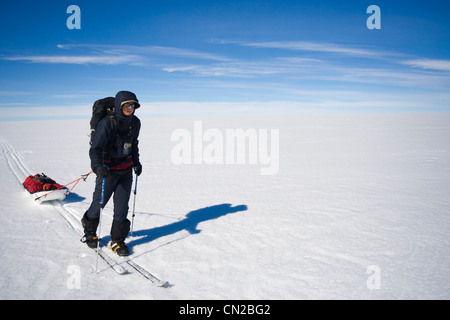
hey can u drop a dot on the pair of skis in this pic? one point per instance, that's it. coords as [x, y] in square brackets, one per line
[119, 269]
[116, 267]
[73, 221]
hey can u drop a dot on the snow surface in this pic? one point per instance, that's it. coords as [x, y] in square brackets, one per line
[358, 210]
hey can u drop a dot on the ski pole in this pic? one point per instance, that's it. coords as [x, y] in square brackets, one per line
[100, 223]
[134, 205]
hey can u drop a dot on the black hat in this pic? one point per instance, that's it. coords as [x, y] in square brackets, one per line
[126, 97]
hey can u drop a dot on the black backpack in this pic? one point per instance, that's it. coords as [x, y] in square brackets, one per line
[101, 108]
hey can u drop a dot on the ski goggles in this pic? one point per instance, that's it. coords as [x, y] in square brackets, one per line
[130, 104]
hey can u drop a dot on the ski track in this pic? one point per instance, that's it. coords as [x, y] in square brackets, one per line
[21, 171]
[15, 163]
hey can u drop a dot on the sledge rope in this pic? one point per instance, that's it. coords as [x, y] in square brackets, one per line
[83, 176]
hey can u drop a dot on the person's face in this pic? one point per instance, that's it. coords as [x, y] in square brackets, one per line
[128, 109]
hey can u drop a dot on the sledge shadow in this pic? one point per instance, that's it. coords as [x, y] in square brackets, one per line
[189, 223]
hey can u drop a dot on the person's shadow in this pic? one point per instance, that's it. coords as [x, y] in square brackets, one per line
[73, 197]
[189, 223]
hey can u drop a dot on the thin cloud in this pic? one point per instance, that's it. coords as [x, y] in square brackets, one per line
[116, 55]
[442, 65]
[245, 68]
[150, 50]
[106, 60]
[183, 53]
[238, 70]
[315, 47]
[384, 76]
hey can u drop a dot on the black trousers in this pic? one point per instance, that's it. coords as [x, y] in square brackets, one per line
[120, 186]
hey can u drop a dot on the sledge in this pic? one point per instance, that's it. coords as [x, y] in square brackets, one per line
[42, 188]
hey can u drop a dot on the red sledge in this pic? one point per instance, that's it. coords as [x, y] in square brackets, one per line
[43, 188]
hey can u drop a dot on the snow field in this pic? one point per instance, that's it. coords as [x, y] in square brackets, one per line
[357, 198]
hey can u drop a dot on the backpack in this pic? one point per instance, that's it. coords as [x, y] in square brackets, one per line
[101, 108]
[40, 182]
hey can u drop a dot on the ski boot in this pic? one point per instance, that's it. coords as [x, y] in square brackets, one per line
[90, 228]
[119, 231]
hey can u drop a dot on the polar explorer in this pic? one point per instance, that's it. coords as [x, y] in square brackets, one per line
[114, 153]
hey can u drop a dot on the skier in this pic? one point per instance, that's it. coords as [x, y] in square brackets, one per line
[113, 153]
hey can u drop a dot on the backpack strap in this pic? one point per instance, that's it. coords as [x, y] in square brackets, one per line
[114, 133]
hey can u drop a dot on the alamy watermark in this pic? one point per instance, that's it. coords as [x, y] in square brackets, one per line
[374, 21]
[229, 146]
[374, 280]
[74, 280]
[74, 20]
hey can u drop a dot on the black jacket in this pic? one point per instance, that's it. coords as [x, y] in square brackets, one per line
[116, 139]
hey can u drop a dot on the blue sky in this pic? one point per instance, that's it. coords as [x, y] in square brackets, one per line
[223, 57]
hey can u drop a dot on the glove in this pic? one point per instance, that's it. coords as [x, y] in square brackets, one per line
[102, 172]
[138, 170]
